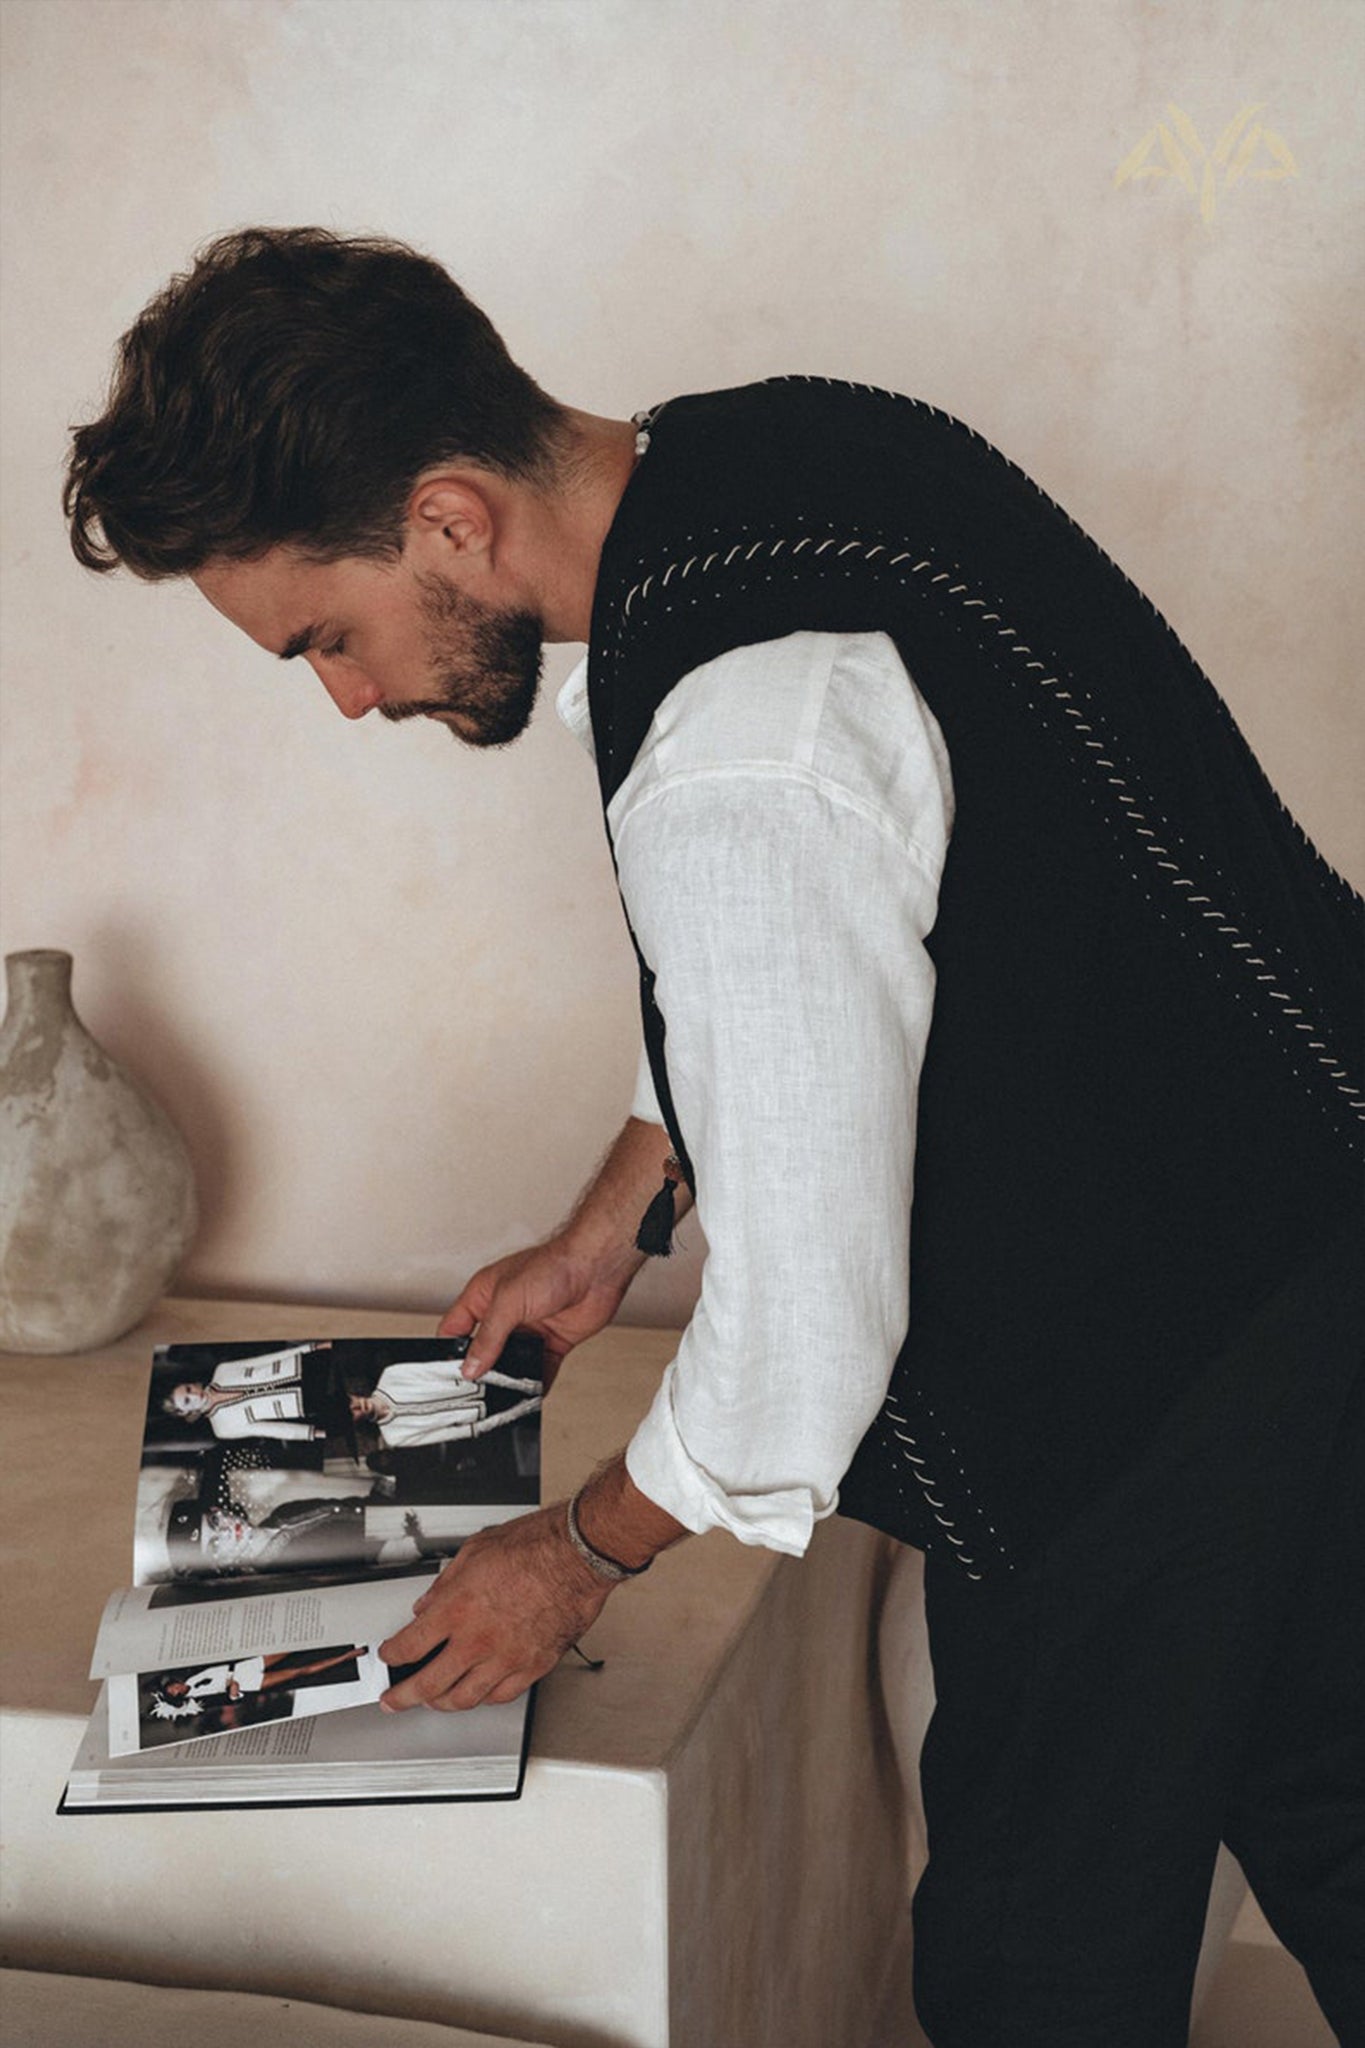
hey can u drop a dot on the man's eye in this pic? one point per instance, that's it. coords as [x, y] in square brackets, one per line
[337, 647]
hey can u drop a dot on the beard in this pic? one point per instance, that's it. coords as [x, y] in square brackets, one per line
[485, 667]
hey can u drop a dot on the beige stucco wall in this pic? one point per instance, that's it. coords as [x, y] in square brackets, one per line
[380, 982]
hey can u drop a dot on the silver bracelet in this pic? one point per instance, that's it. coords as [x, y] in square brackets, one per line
[609, 1568]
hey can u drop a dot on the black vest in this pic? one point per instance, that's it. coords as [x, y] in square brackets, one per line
[1141, 1105]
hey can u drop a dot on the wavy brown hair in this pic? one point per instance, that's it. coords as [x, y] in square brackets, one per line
[291, 388]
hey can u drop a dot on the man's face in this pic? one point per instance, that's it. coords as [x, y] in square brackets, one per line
[380, 635]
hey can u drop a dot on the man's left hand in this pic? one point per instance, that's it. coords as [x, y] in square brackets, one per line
[506, 1607]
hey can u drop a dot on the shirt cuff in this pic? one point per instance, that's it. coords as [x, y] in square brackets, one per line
[658, 1461]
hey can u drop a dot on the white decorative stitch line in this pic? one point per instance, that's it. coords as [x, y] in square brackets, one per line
[1115, 784]
[911, 1457]
[900, 401]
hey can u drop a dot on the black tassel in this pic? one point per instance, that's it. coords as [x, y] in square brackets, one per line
[655, 1235]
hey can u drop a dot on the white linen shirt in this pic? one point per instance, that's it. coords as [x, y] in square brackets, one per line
[779, 842]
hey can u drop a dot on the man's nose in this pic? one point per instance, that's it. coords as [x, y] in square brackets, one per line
[351, 691]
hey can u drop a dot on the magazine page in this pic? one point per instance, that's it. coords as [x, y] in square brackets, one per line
[206, 1621]
[330, 1457]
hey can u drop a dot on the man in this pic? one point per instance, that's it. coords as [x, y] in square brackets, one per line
[878, 731]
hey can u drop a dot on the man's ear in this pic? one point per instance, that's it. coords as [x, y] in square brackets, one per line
[449, 514]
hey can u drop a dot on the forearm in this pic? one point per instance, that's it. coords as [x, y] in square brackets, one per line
[615, 1518]
[608, 1213]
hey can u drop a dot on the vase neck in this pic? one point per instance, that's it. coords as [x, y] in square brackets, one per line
[38, 982]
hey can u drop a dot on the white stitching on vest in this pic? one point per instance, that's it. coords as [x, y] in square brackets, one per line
[1080, 724]
[927, 1486]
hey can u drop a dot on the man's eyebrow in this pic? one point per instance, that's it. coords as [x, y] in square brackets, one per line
[299, 643]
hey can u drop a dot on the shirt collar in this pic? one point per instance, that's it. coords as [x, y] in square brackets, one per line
[572, 705]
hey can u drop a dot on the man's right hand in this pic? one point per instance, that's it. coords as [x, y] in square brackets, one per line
[571, 1286]
[560, 1293]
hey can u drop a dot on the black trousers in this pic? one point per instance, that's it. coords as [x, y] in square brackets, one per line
[1185, 1664]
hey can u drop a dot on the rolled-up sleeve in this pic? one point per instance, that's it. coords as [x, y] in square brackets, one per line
[783, 904]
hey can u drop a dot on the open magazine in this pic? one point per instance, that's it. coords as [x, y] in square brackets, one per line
[293, 1501]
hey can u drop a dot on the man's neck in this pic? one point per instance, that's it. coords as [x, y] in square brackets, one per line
[575, 520]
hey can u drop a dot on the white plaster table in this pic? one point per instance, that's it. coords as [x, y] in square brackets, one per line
[708, 1852]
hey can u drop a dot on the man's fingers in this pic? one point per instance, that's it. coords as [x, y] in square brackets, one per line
[414, 1641]
[470, 1690]
[483, 1684]
[423, 1688]
[448, 1682]
[510, 1688]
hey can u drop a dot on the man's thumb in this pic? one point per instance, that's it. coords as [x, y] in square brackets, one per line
[485, 1346]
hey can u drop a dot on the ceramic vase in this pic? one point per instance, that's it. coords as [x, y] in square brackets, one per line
[97, 1202]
